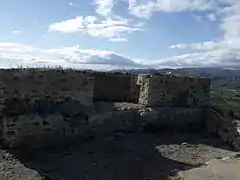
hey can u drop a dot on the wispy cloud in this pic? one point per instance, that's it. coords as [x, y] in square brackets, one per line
[16, 32]
[112, 29]
[145, 9]
[68, 26]
[104, 7]
[211, 17]
[206, 46]
[225, 52]
[14, 55]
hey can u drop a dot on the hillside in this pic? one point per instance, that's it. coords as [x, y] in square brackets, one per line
[220, 77]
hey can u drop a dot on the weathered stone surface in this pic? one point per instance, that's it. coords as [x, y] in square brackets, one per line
[229, 131]
[213, 121]
[115, 87]
[113, 117]
[40, 106]
[66, 106]
[128, 117]
[225, 126]
[175, 119]
[36, 130]
[165, 90]
[144, 83]
[35, 84]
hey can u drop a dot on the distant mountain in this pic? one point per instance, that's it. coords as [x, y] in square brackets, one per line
[221, 78]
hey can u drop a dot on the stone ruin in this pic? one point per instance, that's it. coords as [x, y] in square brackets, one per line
[225, 125]
[42, 107]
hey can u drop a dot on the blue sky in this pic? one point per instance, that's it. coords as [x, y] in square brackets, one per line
[120, 33]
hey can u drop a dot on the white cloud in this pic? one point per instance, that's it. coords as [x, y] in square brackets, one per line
[179, 46]
[225, 52]
[68, 26]
[231, 22]
[206, 46]
[112, 29]
[70, 4]
[146, 8]
[216, 58]
[119, 39]
[104, 7]
[15, 55]
[15, 47]
[16, 32]
[211, 17]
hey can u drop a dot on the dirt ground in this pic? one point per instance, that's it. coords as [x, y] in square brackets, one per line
[120, 157]
[224, 169]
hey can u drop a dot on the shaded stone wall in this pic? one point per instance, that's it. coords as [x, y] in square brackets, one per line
[40, 106]
[115, 87]
[43, 103]
[224, 124]
[128, 118]
[33, 85]
[175, 119]
[41, 130]
[164, 90]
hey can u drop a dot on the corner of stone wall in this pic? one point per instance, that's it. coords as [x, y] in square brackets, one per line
[143, 82]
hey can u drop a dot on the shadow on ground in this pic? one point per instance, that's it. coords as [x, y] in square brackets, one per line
[122, 157]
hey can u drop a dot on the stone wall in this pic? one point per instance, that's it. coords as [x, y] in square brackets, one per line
[43, 103]
[41, 130]
[173, 119]
[225, 125]
[115, 87]
[32, 85]
[40, 106]
[113, 118]
[168, 90]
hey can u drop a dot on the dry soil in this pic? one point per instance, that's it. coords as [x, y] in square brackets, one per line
[119, 157]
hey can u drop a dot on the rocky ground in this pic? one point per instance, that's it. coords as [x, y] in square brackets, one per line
[120, 157]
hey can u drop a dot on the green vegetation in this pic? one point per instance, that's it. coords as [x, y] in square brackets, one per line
[226, 100]
[187, 75]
